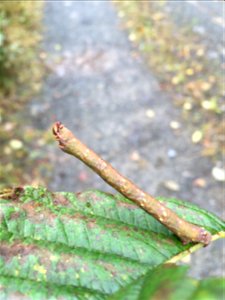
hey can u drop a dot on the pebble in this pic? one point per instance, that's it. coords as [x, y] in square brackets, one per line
[187, 106]
[135, 156]
[171, 153]
[200, 182]
[175, 125]
[172, 185]
[218, 174]
[150, 113]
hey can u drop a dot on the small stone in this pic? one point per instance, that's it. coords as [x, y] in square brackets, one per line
[15, 144]
[172, 185]
[200, 182]
[187, 106]
[150, 113]
[218, 174]
[135, 156]
[175, 125]
[171, 153]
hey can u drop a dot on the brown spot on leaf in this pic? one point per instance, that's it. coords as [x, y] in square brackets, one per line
[88, 197]
[108, 266]
[59, 199]
[128, 206]
[15, 215]
[8, 251]
[91, 224]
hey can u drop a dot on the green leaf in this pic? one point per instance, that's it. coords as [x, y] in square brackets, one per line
[91, 244]
[11, 287]
[169, 282]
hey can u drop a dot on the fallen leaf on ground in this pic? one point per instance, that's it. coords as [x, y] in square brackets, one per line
[16, 144]
[196, 136]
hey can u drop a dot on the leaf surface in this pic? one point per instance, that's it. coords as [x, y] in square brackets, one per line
[91, 244]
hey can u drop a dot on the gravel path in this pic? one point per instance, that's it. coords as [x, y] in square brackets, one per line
[100, 88]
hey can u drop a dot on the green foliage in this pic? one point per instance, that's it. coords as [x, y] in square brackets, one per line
[169, 282]
[19, 37]
[94, 246]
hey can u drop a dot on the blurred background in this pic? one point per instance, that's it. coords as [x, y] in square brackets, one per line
[140, 82]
